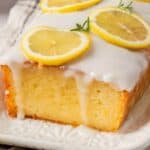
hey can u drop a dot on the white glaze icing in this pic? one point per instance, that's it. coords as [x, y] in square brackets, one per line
[82, 86]
[17, 84]
[112, 64]
[106, 62]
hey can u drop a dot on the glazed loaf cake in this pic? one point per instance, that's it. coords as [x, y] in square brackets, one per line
[69, 94]
[98, 89]
[46, 93]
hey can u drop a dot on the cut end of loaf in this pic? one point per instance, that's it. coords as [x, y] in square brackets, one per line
[46, 93]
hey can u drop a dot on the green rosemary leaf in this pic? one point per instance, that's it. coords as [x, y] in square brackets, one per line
[75, 29]
[83, 27]
[120, 4]
[127, 7]
[78, 26]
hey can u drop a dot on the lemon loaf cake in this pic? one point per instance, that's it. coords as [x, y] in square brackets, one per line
[69, 94]
[98, 89]
[47, 94]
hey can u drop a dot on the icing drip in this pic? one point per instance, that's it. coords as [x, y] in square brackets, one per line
[17, 84]
[82, 85]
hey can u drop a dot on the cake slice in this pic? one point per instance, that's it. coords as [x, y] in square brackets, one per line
[62, 95]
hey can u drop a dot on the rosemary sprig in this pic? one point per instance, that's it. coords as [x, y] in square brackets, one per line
[85, 27]
[125, 7]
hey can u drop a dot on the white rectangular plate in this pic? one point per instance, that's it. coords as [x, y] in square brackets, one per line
[135, 134]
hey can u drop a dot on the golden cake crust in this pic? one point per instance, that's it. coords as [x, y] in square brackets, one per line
[9, 90]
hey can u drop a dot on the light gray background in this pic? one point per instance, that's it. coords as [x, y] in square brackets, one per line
[5, 6]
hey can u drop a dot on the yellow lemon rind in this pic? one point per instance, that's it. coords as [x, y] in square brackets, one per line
[69, 8]
[147, 1]
[115, 39]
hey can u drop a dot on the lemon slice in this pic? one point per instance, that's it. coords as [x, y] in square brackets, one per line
[148, 1]
[121, 27]
[65, 5]
[50, 46]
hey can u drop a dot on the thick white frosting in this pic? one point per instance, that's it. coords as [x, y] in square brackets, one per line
[104, 61]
